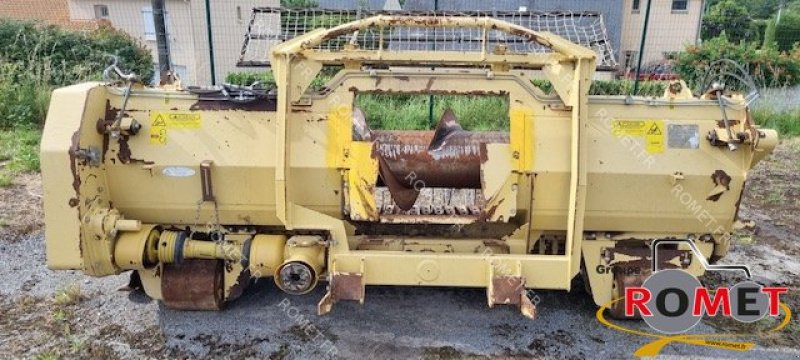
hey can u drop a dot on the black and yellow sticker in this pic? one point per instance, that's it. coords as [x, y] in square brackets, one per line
[651, 130]
[162, 122]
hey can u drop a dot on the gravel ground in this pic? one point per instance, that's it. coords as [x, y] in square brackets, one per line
[48, 315]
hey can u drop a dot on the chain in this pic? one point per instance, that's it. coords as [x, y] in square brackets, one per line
[211, 226]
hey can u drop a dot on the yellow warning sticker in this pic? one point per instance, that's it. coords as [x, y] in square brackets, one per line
[158, 130]
[183, 120]
[160, 122]
[651, 130]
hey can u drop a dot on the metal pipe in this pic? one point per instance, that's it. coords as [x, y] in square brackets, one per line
[164, 62]
[455, 161]
[210, 44]
[641, 48]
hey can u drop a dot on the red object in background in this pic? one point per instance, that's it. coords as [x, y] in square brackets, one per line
[655, 71]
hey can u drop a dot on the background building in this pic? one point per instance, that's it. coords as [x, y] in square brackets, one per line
[51, 12]
[187, 30]
[673, 24]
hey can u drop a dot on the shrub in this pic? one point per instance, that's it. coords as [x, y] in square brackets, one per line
[245, 78]
[35, 59]
[787, 32]
[71, 56]
[768, 67]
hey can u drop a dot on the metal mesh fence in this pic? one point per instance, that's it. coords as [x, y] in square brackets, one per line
[270, 26]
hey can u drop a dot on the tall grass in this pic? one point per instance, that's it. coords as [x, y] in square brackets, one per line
[779, 109]
[412, 112]
[24, 94]
[19, 152]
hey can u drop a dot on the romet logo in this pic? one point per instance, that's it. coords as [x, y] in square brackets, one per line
[673, 301]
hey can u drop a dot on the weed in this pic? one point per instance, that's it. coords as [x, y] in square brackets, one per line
[47, 356]
[76, 344]
[60, 315]
[6, 179]
[775, 197]
[25, 303]
[69, 295]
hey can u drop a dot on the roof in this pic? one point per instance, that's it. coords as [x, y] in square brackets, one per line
[51, 12]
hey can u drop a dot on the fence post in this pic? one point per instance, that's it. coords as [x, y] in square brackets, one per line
[211, 44]
[641, 49]
[162, 42]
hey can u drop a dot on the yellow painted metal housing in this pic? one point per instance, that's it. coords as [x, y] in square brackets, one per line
[582, 176]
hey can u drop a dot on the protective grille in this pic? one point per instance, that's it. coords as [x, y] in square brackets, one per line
[271, 26]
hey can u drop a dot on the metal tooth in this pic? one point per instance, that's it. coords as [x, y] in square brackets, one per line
[475, 210]
[462, 210]
[450, 210]
[438, 210]
[414, 210]
[426, 209]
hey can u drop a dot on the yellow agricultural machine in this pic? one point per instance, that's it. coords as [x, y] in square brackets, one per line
[199, 192]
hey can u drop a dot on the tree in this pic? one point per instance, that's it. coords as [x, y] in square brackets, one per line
[299, 3]
[729, 17]
[787, 32]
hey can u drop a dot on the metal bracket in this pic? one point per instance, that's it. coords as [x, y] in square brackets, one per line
[342, 286]
[509, 290]
[205, 181]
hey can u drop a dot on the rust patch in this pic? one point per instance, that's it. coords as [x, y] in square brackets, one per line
[507, 289]
[720, 178]
[721, 123]
[739, 201]
[222, 105]
[73, 162]
[347, 286]
[124, 154]
[194, 285]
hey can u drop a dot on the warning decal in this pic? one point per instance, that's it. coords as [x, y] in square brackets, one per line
[161, 122]
[158, 130]
[182, 121]
[651, 130]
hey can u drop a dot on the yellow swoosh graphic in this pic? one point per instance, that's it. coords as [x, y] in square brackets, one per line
[654, 347]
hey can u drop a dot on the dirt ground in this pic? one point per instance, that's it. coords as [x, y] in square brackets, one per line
[51, 315]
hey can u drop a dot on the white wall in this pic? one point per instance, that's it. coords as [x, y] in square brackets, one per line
[128, 16]
[668, 31]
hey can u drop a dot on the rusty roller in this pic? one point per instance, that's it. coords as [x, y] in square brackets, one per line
[449, 157]
[194, 285]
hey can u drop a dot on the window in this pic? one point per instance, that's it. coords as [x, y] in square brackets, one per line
[635, 6]
[150, 25]
[631, 58]
[680, 5]
[100, 12]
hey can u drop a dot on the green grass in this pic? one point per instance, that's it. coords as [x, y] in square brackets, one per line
[19, 153]
[786, 122]
[411, 112]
